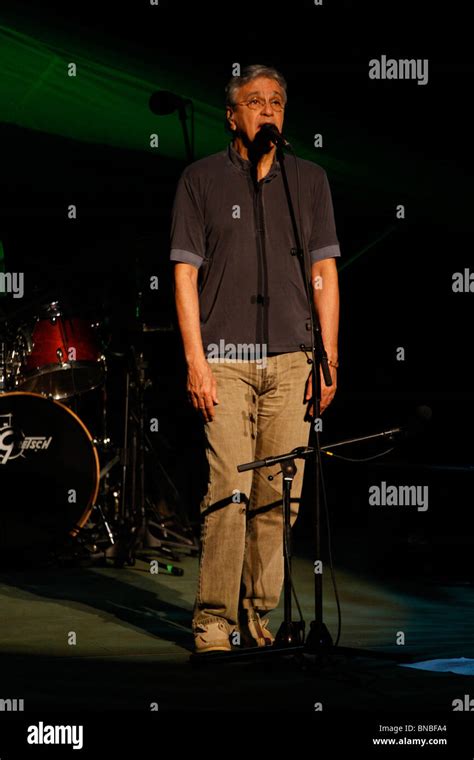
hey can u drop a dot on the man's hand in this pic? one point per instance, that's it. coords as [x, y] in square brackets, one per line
[327, 391]
[202, 389]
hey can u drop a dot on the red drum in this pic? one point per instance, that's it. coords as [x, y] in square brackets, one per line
[49, 473]
[62, 357]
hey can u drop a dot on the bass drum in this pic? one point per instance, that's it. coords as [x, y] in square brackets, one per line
[49, 474]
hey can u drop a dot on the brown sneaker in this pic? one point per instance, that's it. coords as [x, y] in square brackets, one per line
[212, 636]
[253, 630]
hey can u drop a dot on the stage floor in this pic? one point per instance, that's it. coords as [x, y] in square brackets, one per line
[132, 634]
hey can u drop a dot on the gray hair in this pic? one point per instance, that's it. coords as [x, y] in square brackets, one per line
[249, 73]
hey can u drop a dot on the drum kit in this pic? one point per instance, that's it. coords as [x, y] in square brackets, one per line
[69, 493]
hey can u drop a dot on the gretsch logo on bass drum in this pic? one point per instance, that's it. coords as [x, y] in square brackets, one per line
[14, 443]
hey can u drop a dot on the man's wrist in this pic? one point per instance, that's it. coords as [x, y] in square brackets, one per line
[332, 356]
[195, 360]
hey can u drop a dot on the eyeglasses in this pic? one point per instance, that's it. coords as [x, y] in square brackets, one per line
[256, 103]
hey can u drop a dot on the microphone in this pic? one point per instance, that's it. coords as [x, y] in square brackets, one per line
[415, 424]
[163, 102]
[272, 132]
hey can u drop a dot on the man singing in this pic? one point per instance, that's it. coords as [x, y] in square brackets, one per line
[243, 316]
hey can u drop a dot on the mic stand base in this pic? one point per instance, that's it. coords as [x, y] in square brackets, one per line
[318, 640]
[290, 634]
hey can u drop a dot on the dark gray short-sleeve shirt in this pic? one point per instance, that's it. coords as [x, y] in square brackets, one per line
[238, 233]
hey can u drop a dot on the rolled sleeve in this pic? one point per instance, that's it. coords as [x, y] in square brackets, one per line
[187, 223]
[186, 257]
[323, 242]
[328, 252]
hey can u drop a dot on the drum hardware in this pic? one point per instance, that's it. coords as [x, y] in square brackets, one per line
[172, 535]
[105, 523]
[106, 469]
[12, 348]
[138, 510]
[3, 369]
[164, 528]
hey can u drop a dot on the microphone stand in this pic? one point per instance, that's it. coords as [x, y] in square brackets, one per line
[318, 642]
[318, 638]
[183, 116]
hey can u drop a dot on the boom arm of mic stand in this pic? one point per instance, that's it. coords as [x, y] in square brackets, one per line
[301, 452]
[384, 434]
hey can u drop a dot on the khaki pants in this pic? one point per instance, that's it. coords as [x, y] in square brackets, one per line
[260, 413]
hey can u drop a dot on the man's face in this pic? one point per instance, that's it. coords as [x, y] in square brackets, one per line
[248, 121]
